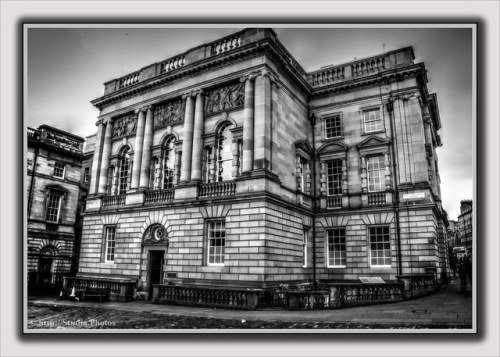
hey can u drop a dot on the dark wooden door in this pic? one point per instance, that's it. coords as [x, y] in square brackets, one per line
[155, 269]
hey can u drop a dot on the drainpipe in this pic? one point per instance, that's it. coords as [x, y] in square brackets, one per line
[390, 109]
[312, 120]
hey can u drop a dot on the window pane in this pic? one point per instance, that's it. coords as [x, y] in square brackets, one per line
[53, 207]
[372, 120]
[376, 173]
[333, 127]
[58, 169]
[124, 173]
[380, 246]
[216, 242]
[336, 247]
[334, 177]
[110, 243]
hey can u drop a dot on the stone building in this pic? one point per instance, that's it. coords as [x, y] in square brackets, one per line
[230, 165]
[55, 193]
[465, 224]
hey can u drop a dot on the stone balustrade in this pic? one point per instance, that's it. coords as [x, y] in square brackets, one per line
[117, 289]
[368, 66]
[159, 196]
[172, 63]
[205, 296]
[376, 199]
[334, 201]
[129, 80]
[226, 44]
[112, 201]
[217, 189]
[355, 294]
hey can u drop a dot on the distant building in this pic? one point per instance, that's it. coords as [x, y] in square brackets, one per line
[55, 194]
[465, 224]
[230, 165]
[453, 236]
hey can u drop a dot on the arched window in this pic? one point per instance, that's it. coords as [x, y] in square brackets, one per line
[168, 158]
[224, 154]
[124, 171]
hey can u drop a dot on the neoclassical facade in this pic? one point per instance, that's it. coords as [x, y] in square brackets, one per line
[230, 165]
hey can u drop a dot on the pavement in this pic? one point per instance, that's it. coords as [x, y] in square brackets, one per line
[449, 307]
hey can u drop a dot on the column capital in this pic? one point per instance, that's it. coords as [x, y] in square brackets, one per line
[264, 73]
[249, 77]
[143, 109]
[193, 93]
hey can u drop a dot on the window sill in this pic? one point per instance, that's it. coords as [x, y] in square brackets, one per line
[336, 138]
[337, 266]
[372, 132]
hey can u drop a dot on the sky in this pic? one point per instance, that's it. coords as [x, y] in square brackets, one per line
[66, 69]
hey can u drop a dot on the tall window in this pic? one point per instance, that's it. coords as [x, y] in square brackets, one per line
[168, 164]
[372, 120]
[334, 177]
[333, 127]
[303, 165]
[380, 246]
[59, 170]
[124, 172]
[53, 206]
[216, 242]
[110, 244]
[224, 154]
[336, 247]
[376, 173]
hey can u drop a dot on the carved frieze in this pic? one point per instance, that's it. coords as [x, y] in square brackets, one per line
[155, 234]
[63, 141]
[225, 98]
[169, 113]
[124, 125]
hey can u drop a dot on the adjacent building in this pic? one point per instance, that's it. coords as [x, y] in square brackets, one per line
[465, 224]
[55, 194]
[230, 165]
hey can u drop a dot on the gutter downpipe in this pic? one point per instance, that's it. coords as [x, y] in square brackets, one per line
[390, 109]
[312, 120]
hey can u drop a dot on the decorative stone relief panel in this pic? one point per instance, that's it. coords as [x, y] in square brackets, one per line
[155, 234]
[225, 98]
[169, 113]
[63, 141]
[124, 125]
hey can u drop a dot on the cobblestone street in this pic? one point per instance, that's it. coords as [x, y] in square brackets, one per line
[447, 309]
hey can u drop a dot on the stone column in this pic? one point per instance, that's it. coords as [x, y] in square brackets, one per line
[96, 161]
[262, 122]
[236, 157]
[177, 166]
[322, 180]
[139, 138]
[248, 124]
[364, 178]
[146, 150]
[387, 171]
[212, 163]
[114, 185]
[344, 177]
[187, 141]
[106, 151]
[197, 157]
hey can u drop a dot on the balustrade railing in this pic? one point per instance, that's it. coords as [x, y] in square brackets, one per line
[172, 63]
[217, 189]
[226, 44]
[328, 75]
[308, 300]
[159, 196]
[33, 133]
[376, 198]
[119, 290]
[129, 80]
[367, 66]
[334, 201]
[365, 294]
[112, 201]
[207, 296]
